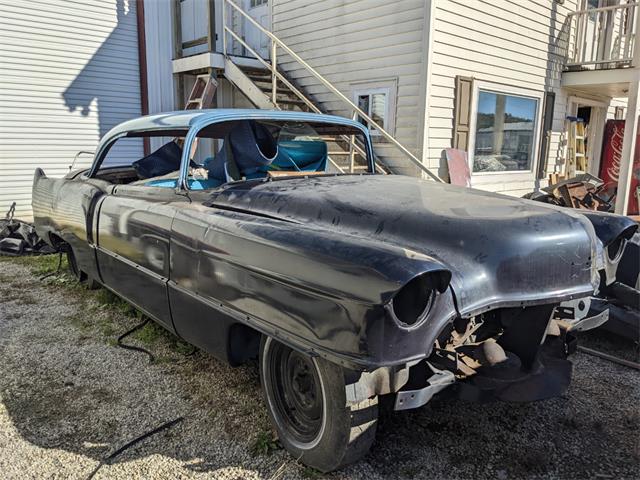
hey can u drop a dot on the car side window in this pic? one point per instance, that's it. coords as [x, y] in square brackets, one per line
[126, 163]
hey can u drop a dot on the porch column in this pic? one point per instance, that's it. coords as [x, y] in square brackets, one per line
[630, 131]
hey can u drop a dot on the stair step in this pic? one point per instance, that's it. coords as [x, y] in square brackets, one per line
[278, 90]
[287, 101]
[251, 74]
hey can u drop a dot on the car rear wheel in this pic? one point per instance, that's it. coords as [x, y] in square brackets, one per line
[306, 400]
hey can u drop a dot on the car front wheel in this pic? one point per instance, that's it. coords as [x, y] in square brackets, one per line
[306, 400]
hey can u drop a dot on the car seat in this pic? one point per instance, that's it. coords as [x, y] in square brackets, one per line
[248, 149]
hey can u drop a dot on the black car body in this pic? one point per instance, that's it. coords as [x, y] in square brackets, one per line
[391, 285]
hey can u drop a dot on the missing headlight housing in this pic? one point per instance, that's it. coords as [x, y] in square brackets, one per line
[414, 301]
[615, 248]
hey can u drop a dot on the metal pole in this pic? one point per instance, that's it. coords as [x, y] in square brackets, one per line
[274, 78]
[211, 26]
[630, 131]
[224, 27]
[352, 152]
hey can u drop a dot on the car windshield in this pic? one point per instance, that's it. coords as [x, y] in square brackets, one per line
[242, 150]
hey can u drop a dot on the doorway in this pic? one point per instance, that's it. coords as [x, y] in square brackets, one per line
[593, 115]
[259, 10]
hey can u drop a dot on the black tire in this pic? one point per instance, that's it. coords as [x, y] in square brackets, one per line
[321, 430]
[87, 280]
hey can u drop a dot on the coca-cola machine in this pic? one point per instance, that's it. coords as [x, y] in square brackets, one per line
[610, 164]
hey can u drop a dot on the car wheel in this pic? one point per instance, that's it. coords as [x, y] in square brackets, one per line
[306, 401]
[82, 277]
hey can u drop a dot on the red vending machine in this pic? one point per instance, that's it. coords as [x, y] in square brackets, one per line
[611, 158]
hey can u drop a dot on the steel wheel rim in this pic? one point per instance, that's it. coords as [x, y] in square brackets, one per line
[296, 394]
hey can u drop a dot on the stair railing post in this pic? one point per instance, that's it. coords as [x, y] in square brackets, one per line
[274, 78]
[352, 150]
[224, 27]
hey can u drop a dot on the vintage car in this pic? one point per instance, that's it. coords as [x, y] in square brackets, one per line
[345, 286]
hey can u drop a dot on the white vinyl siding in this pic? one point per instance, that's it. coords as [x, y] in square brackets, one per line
[517, 44]
[159, 42]
[68, 74]
[359, 41]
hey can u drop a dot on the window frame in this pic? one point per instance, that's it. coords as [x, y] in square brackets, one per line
[501, 89]
[194, 130]
[389, 88]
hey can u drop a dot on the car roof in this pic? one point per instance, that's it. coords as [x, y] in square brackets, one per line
[185, 119]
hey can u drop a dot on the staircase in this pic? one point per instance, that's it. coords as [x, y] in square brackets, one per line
[345, 155]
[269, 88]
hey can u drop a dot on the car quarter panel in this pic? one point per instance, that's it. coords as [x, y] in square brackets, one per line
[65, 208]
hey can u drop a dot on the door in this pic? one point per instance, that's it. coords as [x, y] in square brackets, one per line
[259, 11]
[134, 228]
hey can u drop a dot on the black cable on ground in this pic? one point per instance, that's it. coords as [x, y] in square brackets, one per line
[133, 347]
[57, 269]
[611, 358]
[136, 440]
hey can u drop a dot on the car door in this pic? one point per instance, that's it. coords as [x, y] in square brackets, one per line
[133, 238]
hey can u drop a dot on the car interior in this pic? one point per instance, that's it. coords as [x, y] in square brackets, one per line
[236, 150]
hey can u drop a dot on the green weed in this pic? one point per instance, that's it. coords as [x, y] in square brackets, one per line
[265, 443]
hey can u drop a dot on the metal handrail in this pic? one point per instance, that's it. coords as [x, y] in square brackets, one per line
[295, 91]
[600, 43]
[602, 9]
[272, 66]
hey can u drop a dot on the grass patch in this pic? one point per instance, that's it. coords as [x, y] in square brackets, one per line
[153, 334]
[40, 264]
[99, 309]
[109, 300]
[311, 473]
[265, 443]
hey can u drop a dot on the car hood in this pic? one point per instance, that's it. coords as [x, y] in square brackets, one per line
[501, 251]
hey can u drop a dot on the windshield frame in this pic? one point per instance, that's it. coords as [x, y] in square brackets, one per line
[183, 183]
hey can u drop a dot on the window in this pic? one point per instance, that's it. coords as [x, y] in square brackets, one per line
[123, 152]
[374, 105]
[257, 3]
[256, 149]
[506, 132]
[377, 100]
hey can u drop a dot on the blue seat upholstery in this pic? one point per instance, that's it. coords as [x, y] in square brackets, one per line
[303, 155]
[194, 184]
[248, 143]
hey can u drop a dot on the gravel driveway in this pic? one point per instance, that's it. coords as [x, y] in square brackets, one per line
[70, 397]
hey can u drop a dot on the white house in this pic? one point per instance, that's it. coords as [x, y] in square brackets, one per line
[496, 78]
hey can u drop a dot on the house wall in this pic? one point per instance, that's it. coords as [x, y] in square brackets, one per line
[159, 48]
[359, 41]
[519, 44]
[69, 73]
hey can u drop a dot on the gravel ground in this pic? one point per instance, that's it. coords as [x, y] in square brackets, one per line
[70, 397]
